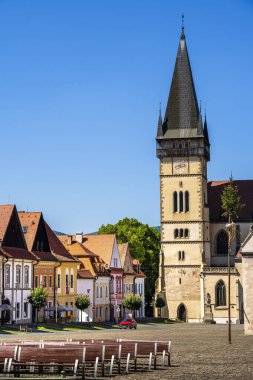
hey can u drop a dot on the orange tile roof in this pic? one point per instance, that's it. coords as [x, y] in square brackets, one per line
[101, 245]
[78, 249]
[5, 216]
[30, 220]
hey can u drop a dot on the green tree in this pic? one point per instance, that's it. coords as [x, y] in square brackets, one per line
[132, 302]
[82, 303]
[144, 244]
[231, 201]
[38, 298]
[159, 303]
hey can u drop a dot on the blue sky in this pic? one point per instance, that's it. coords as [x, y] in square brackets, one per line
[80, 86]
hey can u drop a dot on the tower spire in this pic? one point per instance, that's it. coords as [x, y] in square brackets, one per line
[160, 122]
[182, 111]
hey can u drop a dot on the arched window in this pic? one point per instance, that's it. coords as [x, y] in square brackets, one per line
[175, 202]
[186, 201]
[181, 232]
[186, 233]
[176, 233]
[220, 294]
[7, 275]
[18, 275]
[101, 292]
[97, 292]
[181, 202]
[106, 291]
[222, 242]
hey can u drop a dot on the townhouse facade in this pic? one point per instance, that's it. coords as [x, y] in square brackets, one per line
[17, 268]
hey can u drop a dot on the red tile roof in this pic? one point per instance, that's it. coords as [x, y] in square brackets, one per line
[17, 253]
[84, 273]
[30, 220]
[57, 247]
[5, 215]
[215, 189]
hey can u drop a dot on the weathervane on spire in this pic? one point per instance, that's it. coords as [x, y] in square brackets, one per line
[182, 22]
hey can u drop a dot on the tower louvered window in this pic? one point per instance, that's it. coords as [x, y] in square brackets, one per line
[181, 202]
[175, 209]
[186, 201]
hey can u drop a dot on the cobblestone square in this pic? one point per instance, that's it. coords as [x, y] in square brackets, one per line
[198, 351]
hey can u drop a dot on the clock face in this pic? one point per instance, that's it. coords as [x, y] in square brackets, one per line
[180, 166]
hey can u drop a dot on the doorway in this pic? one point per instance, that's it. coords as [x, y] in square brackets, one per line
[181, 313]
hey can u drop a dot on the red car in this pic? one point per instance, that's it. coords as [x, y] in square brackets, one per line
[128, 323]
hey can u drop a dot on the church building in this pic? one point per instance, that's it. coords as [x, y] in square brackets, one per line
[193, 272]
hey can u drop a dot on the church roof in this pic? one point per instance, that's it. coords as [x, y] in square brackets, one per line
[182, 111]
[215, 189]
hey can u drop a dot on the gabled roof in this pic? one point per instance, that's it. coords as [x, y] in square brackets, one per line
[30, 222]
[247, 245]
[57, 248]
[182, 111]
[123, 249]
[215, 189]
[101, 245]
[5, 215]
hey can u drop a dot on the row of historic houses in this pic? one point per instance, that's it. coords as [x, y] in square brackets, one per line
[32, 256]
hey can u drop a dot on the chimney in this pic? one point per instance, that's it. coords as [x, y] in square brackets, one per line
[69, 240]
[79, 237]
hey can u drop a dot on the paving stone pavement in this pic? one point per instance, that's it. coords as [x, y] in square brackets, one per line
[198, 351]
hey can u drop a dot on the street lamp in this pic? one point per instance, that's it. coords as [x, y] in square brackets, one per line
[230, 226]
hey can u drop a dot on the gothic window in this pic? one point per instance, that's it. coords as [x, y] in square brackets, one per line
[222, 243]
[220, 294]
[181, 202]
[181, 232]
[26, 276]
[176, 233]
[186, 201]
[7, 275]
[186, 233]
[175, 201]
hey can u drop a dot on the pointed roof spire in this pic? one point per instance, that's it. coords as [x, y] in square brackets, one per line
[182, 108]
[160, 122]
[206, 129]
[182, 32]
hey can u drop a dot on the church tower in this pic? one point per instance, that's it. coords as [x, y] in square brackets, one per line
[183, 150]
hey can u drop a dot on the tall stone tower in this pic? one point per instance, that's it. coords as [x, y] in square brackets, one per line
[183, 150]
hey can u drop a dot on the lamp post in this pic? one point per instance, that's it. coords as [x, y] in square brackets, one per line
[230, 226]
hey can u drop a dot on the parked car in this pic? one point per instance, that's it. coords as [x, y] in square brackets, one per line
[128, 323]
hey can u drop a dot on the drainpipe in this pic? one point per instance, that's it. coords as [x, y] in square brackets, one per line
[33, 264]
[4, 262]
[56, 289]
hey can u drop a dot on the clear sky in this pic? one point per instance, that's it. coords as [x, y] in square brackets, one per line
[80, 86]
